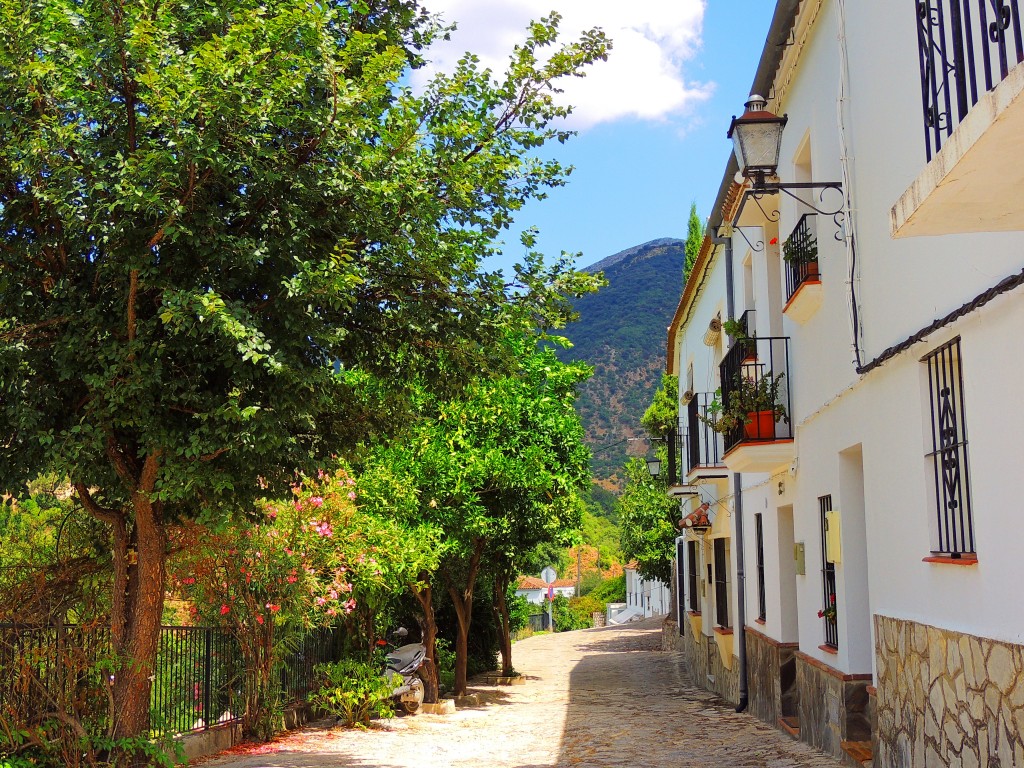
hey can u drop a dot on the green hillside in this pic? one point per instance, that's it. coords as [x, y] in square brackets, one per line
[622, 333]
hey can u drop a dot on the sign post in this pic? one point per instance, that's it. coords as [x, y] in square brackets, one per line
[548, 576]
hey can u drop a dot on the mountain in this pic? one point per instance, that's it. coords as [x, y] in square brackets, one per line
[621, 333]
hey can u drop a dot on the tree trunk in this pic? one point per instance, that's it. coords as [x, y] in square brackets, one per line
[140, 569]
[504, 623]
[463, 602]
[431, 672]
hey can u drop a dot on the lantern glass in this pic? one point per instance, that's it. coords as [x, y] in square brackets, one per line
[757, 139]
[654, 467]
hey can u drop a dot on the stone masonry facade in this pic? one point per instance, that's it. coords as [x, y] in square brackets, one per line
[834, 707]
[947, 698]
[771, 677]
[704, 661]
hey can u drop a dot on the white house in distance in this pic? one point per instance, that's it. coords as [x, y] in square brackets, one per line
[535, 590]
[650, 596]
[857, 572]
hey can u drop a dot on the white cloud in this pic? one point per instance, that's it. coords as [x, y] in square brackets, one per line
[643, 77]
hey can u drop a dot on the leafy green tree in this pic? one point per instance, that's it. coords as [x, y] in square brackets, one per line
[648, 522]
[694, 238]
[662, 415]
[223, 228]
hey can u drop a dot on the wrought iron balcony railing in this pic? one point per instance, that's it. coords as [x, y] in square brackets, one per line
[800, 252]
[966, 47]
[704, 446]
[756, 402]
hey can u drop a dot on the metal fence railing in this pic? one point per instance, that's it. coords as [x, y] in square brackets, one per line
[801, 254]
[198, 678]
[965, 47]
[755, 388]
[704, 446]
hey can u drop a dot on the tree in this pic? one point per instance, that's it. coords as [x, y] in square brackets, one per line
[694, 238]
[497, 470]
[648, 522]
[223, 228]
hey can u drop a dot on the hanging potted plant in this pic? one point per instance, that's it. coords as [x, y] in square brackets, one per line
[803, 253]
[829, 612]
[753, 404]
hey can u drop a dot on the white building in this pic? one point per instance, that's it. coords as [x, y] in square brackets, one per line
[651, 597]
[536, 590]
[899, 342]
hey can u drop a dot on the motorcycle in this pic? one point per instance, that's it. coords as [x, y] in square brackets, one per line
[405, 661]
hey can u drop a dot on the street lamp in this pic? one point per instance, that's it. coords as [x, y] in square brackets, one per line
[757, 139]
[654, 466]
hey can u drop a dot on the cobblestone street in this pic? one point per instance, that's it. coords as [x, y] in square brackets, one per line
[601, 697]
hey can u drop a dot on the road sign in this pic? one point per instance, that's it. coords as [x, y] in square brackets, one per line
[548, 575]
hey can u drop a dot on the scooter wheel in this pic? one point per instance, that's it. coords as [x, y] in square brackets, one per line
[412, 706]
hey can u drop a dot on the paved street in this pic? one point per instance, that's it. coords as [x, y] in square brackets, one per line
[601, 697]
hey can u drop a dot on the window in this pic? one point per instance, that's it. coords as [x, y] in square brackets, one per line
[953, 533]
[759, 539]
[691, 563]
[722, 583]
[828, 581]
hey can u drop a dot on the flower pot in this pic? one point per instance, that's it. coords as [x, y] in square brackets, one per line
[812, 270]
[760, 425]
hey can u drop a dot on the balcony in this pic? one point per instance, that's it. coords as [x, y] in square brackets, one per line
[756, 405]
[704, 446]
[970, 54]
[803, 280]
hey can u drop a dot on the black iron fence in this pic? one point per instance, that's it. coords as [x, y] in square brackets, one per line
[704, 446]
[965, 47]
[800, 252]
[198, 678]
[755, 391]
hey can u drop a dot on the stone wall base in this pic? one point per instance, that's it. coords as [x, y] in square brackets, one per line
[946, 698]
[833, 707]
[703, 660]
[771, 678]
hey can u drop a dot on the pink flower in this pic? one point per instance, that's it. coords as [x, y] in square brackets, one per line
[331, 612]
[272, 514]
[321, 601]
[333, 594]
[298, 505]
[188, 580]
[346, 587]
[317, 501]
[224, 610]
[349, 606]
[321, 474]
[352, 495]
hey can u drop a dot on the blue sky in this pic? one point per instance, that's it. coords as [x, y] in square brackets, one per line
[652, 133]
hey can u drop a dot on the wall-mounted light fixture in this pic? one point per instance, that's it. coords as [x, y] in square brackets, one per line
[757, 141]
[654, 466]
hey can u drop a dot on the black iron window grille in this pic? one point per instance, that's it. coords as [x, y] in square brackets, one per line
[691, 570]
[704, 447]
[800, 252]
[680, 581]
[722, 583]
[755, 390]
[965, 47]
[829, 612]
[674, 443]
[762, 610]
[954, 521]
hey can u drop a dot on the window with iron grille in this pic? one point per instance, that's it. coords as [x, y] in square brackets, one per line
[722, 583]
[759, 537]
[953, 530]
[828, 580]
[680, 580]
[691, 569]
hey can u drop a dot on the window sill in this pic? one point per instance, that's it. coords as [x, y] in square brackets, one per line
[723, 630]
[762, 622]
[829, 649]
[946, 560]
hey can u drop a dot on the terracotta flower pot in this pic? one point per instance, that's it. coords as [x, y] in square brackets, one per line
[760, 425]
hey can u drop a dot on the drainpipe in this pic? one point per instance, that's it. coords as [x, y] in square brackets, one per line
[737, 495]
